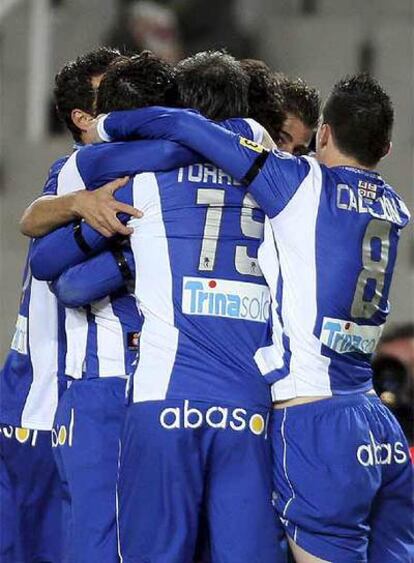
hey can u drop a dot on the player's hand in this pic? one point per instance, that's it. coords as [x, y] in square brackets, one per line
[99, 209]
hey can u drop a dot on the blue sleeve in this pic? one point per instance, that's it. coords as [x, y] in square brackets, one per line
[277, 178]
[98, 164]
[50, 187]
[276, 184]
[56, 252]
[122, 126]
[93, 279]
[239, 126]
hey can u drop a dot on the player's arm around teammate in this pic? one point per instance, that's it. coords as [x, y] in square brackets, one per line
[75, 95]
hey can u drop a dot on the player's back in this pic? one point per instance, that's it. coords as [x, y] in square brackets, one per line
[100, 335]
[204, 299]
[340, 230]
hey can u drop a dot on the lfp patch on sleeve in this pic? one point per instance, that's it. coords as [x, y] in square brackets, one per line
[251, 145]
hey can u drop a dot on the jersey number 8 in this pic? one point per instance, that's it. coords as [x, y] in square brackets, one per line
[372, 270]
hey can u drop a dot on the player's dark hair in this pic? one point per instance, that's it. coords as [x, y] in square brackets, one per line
[214, 83]
[73, 85]
[299, 99]
[361, 116]
[140, 81]
[265, 102]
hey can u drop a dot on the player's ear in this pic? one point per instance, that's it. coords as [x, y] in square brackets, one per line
[81, 119]
[324, 134]
[387, 150]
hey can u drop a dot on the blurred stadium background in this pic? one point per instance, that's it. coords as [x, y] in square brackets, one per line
[319, 40]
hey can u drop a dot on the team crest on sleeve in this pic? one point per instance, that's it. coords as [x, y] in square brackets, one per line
[252, 145]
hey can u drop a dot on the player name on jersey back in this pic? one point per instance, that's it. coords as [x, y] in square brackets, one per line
[206, 173]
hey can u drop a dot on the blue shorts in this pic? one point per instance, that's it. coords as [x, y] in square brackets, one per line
[30, 498]
[86, 438]
[180, 459]
[344, 481]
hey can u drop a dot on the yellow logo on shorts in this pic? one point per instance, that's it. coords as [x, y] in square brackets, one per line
[257, 424]
[21, 435]
[251, 145]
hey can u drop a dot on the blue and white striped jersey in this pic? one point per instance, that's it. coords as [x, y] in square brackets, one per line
[51, 341]
[28, 379]
[101, 336]
[329, 252]
[335, 232]
[203, 296]
[199, 286]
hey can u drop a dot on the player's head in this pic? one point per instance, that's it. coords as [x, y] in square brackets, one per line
[356, 123]
[140, 81]
[301, 104]
[265, 101]
[214, 83]
[75, 89]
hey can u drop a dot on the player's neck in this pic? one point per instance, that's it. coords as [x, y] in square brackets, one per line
[338, 159]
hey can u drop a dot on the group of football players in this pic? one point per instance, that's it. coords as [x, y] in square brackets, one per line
[190, 377]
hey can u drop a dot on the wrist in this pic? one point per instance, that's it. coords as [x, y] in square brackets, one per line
[76, 200]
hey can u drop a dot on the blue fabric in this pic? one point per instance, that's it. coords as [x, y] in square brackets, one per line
[92, 280]
[16, 376]
[30, 498]
[125, 125]
[338, 270]
[226, 369]
[99, 164]
[283, 173]
[216, 143]
[222, 471]
[344, 480]
[345, 210]
[86, 445]
[215, 357]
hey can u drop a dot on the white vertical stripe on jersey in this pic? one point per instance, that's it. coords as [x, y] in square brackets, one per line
[41, 401]
[109, 339]
[76, 322]
[159, 337]
[270, 357]
[69, 179]
[295, 232]
[76, 327]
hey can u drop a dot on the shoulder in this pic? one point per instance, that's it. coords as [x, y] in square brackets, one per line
[50, 186]
[246, 127]
[69, 178]
[101, 148]
[403, 212]
[58, 165]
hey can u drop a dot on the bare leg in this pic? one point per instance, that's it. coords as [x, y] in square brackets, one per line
[302, 556]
